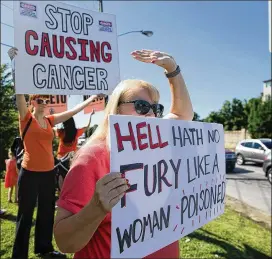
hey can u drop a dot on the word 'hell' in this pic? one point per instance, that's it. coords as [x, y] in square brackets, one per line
[140, 137]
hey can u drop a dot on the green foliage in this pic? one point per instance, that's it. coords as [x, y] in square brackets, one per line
[260, 119]
[196, 117]
[253, 115]
[9, 117]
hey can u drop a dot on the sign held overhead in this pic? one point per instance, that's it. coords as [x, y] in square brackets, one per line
[64, 49]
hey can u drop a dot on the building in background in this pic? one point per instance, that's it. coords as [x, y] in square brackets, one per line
[267, 90]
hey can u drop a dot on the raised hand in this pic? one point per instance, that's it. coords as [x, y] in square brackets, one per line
[159, 58]
[12, 52]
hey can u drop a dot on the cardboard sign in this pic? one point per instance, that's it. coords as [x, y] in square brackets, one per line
[97, 104]
[176, 170]
[58, 104]
[63, 49]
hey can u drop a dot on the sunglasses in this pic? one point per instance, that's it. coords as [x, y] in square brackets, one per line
[42, 101]
[143, 107]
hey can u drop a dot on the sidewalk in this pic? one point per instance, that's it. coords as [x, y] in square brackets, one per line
[249, 212]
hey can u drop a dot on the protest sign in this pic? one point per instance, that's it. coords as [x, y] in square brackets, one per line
[176, 170]
[63, 49]
[98, 104]
[58, 104]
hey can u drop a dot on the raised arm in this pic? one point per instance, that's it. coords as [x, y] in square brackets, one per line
[181, 106]
[89, 123]
[64, 116]
[20, 98]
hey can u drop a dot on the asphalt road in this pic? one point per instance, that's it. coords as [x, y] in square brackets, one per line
[249, 184]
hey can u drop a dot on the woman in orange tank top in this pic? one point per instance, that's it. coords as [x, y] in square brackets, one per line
[37, 176]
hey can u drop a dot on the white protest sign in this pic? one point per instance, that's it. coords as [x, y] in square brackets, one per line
[176, 170]
[64, 50]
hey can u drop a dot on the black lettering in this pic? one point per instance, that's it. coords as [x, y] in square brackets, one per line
[154, 180]
[189, 172]
[65, 77]
[53, 23]
[183, 207]
[53, 77]
[89, 78]
[64, 13]
[126, 238]
[175, 138]
[161, 176]
[87, 21]
[164, 218]
[176, 171]
[101, 76]
[134, 239]
[77, 83]
[38, 83]
[155, 222]
[215, 164]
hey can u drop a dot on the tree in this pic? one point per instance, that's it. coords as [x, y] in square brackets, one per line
[215, 117]
[196, 117]
[260, 117]
[239, 116]
[9, 116]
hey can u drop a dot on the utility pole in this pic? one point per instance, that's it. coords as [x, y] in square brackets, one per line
[100, 6]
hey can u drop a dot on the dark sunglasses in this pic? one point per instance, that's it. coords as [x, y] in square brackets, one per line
[143, 107]
[42, 101]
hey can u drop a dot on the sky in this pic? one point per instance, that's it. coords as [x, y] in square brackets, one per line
[221, 47]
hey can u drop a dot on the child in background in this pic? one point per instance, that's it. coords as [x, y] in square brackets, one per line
[11, 177]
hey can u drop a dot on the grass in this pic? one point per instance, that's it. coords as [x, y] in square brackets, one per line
[229, 236]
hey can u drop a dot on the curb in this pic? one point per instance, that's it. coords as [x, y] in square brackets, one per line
[250, 212]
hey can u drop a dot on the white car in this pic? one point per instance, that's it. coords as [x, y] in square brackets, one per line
[253, 150]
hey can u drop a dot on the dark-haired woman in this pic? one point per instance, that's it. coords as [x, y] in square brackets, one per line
[68, 136]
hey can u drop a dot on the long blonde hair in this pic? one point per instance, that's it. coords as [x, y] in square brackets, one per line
[120, 94]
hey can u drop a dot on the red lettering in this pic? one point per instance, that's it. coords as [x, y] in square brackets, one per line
[141, 136]
[121, 138]
[68, 41]
[34, 51]
[83, 44]
[164, 144]
[107, 57]
[152, 145]
[60, 53]
[45, 45]
[95, 50]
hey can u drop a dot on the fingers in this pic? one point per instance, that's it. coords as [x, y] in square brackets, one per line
[118, 191]
[115, 200]
[109, 177]
[115, 183]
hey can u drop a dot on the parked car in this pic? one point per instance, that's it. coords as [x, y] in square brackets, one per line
[230, 160]
[253, 150]
[267, 168]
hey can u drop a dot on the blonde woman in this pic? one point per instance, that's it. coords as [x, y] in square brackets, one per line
[83, 221]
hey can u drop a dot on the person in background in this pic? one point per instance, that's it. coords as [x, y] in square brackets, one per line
[11, 177]
[37, 176]
[90, 190]
[68, 136]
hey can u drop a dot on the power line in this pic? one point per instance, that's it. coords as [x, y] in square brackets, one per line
[7, 24]
[6, 45]
[7, 6]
